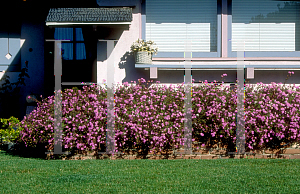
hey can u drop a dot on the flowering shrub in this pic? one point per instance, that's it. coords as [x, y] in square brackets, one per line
[149, 118]
[83, 120]
[152, 119]
[9, 130]
[273, 116]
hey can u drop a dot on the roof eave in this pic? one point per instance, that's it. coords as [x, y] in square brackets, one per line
[85, 23]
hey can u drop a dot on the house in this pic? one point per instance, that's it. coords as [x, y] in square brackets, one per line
[210, 36]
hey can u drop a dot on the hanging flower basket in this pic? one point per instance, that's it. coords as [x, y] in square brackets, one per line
[143, 57]
[143, 51]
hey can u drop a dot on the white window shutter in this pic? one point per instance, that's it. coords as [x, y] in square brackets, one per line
[263, 27]
[170, 23]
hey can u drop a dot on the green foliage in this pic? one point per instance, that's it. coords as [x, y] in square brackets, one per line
[7, 129]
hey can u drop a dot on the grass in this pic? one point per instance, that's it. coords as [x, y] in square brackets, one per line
[31, 175]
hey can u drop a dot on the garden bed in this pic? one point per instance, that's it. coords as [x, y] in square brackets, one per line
[205, 152]
[214, 152]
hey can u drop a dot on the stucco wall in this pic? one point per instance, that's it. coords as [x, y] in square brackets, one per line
[31, 36]
[124, 69]
[32, 32]
[265, 76]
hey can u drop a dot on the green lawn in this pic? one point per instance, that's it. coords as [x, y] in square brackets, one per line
[30, 175]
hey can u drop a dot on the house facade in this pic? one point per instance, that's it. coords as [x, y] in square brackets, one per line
[207, 37]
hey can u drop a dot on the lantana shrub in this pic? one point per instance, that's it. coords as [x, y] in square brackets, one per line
[83, 120]
[152, 119]
[273, 116]
[8, 130]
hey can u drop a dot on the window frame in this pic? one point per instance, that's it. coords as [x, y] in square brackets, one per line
[216, 54]
[233, 54]
[74, 45]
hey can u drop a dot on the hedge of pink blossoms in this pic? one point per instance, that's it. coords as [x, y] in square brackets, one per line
[214, 117]
[272, 116]
[153, 119]
[83, 120]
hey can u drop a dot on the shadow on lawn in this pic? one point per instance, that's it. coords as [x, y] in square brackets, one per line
[21, 150]
[39, 152]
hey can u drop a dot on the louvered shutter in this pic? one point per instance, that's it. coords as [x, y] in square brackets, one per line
[265, 25]
[170, 23]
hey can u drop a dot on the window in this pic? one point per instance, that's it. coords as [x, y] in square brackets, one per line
[10, 42]
[266, 26]
[170, 23]
[75, 49]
